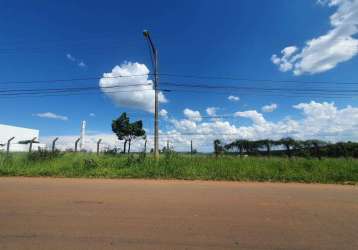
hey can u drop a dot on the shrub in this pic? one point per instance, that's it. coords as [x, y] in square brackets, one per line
[43, 155]
[113, 151]
[90, 163]
[6, 159]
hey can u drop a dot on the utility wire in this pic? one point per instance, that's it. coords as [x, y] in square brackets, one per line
[186, 76]
[255, 79]
[201, 87]
[230, 87]
[72, 79]
[66, 92]
[74, 89]
[265, 93]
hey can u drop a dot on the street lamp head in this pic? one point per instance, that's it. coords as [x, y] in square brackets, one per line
[145, 33]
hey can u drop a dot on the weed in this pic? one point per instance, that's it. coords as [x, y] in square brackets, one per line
[180, 166]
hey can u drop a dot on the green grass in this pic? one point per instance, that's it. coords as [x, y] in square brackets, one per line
[176, 166]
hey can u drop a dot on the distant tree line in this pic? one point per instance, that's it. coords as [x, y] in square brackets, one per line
[288, 146]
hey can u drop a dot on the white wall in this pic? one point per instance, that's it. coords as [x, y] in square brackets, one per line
[15, 147]
[20, 134]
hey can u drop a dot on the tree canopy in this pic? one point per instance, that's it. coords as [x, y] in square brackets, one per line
[292, 147]
[127, 131]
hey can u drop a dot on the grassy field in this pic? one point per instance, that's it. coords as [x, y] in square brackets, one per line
[178, 166]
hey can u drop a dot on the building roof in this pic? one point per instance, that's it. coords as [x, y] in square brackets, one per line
[20, 133]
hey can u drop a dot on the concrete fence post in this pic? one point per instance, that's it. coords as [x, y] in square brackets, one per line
[191, 147]
[76, 143]
[145, 146]
[31, 142]
[98, 144]
[54, 144]
[8, 145]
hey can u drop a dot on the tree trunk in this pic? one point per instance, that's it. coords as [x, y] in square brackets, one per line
[125, 146]
[344, 151]
[288, 151]
[318, 152]
[268, 149]
[129, 146]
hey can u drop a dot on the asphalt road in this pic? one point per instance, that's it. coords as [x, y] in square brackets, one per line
[45, 213]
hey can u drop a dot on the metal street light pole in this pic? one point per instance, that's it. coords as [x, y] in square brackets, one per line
[154, 56]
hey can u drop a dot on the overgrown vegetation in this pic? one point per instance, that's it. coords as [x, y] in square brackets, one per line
[290, 147]
[181, 166]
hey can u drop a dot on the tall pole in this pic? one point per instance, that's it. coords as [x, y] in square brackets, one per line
[154, 55]
[82, 134]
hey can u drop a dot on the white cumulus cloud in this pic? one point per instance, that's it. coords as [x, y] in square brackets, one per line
[319, 120]
[269, 108]
[192, 115]
[326, 51]
[233, 98]
[128, 86]
[163, 113]
[51, 115]
[256, 117]
[211, 111]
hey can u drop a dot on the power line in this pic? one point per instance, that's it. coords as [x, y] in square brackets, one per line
[73, 79]
[66, 92]
[255, 79]
[78, 91]
[184, 76]
[214, 87]
[187, 87]
[73, 89]
[230, 87]
[265, 93]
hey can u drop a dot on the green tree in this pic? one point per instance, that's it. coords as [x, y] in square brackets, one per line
[136, 130]
[218, 148]
[315, 145]
[265, 143]
[289, 144]
[127, 131]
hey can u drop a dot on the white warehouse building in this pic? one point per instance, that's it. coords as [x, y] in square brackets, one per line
[21, 138]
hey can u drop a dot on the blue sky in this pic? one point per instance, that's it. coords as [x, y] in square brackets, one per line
[42, 41]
